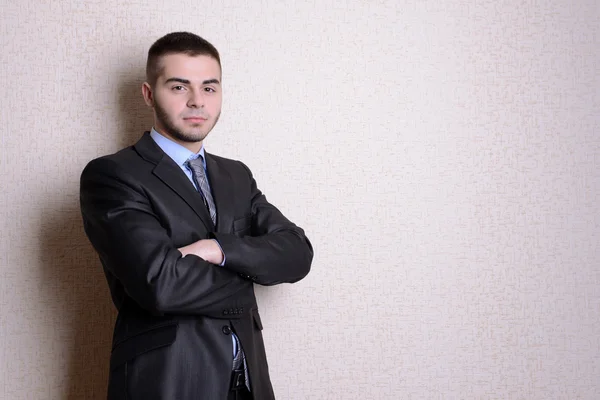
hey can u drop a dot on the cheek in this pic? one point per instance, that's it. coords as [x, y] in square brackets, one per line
[171, 106]
[214, 107]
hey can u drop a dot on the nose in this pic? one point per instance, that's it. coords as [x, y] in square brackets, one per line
[196, 99]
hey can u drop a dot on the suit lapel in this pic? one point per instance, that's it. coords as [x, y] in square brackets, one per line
[172, 176]
[221, 187]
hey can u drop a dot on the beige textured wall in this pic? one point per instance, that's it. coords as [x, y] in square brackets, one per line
[443, 156]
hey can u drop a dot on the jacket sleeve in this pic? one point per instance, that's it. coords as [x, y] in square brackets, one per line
[277, 251]
[135, 248]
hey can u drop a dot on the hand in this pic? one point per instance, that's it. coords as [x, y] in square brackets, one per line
[207, 249]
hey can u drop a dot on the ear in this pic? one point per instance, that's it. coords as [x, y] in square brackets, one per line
[148, 95]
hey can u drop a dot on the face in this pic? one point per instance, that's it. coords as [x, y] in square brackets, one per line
[186, 98]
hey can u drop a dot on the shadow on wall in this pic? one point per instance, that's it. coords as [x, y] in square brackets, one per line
[77, 285]
[134, 116]
[75, 280]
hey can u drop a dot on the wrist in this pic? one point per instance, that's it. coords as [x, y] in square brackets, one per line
[217, 253]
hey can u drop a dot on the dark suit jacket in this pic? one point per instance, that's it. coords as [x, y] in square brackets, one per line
[172, 337]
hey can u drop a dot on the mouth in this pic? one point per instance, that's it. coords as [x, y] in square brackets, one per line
[195, 120]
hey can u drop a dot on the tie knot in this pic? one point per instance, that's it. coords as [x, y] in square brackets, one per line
[194, 162]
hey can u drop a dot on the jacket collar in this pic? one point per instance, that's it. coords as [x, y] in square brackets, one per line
[172, 176]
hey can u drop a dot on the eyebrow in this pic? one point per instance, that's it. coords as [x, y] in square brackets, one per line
[187, 81]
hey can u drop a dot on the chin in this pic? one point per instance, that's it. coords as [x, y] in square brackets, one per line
[196, 137]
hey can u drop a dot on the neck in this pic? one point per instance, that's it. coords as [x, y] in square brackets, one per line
[194, 147]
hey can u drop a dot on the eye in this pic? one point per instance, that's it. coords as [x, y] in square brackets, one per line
[210, 90]
[178, 88]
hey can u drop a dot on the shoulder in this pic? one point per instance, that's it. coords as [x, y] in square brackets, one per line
[111, 162]
[222, 160]
[124, 167]
[231, 165]
[139, 157]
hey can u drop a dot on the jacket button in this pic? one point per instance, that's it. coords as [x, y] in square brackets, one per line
[226, 330]
[231, 311]
[225, 312]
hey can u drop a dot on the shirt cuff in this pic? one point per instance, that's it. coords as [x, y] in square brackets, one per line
[224, 258]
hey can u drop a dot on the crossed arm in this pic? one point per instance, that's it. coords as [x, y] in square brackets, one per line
[136, 249]
[276, 252]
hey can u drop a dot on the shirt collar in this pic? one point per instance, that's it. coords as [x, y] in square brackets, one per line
[177, 152]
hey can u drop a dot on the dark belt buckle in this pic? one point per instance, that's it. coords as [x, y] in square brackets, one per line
[238, 379]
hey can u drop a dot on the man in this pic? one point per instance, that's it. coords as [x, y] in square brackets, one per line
[183, 235]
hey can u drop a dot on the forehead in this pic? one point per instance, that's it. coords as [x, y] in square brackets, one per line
[189, 67]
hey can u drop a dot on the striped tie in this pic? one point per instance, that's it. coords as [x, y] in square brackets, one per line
[197, 167]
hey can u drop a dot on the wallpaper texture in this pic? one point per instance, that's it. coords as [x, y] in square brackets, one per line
[442, 156]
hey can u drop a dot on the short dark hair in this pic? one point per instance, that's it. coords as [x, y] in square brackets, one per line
[177, 43]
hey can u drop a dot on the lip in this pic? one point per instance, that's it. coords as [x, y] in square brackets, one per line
[195, 119]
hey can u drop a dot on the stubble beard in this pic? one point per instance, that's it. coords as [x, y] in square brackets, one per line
[195, 136]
